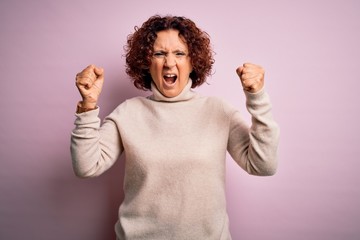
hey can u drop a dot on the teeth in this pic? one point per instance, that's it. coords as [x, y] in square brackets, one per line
[170, 75]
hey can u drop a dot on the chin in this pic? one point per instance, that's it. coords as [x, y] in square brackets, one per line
[170, 94]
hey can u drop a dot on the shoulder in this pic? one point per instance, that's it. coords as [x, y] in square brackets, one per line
[131, 104]
[219, 105]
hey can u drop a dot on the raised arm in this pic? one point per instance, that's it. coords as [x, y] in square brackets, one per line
[94, 147]
[254, 148]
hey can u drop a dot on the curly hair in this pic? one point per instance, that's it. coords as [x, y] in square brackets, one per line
[139, 49]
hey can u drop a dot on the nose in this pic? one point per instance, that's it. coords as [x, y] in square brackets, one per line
[170, 61]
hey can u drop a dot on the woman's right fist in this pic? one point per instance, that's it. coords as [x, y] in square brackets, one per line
[89, 83]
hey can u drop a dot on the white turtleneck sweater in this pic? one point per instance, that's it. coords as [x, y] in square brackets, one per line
[175, 152]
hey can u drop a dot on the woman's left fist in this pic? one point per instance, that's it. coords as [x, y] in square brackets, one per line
[251, 76]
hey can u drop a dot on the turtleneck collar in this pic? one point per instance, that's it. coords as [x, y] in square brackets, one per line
[185, 94]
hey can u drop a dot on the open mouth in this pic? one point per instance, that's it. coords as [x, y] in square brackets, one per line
[170, 79]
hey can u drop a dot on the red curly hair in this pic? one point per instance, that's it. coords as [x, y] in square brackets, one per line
[139, 49]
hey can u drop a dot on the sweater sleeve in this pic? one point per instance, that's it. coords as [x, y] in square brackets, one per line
[255, 148]
[94, 147]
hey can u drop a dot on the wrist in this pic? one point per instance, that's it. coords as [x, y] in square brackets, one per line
[85, 107]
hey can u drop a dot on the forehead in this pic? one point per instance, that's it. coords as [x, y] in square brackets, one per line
[169, 39]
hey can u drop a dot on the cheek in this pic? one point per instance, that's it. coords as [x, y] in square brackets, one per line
[155, 72]
[155, 68]
[188, 68]
[189, 65]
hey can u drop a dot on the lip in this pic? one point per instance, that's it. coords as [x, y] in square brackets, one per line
[170, 74]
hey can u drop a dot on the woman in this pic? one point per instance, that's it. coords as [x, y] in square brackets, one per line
[175, 141]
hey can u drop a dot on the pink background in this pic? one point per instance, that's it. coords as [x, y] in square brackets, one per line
[310, 50]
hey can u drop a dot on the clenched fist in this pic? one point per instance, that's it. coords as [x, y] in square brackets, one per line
[89, 82]
[251, 76]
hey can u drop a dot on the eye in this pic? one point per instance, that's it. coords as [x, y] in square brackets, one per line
[180, 54]
[159, 54]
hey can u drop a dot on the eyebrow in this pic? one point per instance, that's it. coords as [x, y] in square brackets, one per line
[165, 51]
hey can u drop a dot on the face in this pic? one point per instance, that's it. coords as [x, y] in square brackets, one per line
[170, 65]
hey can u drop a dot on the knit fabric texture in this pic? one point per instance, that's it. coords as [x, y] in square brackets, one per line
[175, 151]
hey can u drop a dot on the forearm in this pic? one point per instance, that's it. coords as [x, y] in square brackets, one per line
[255, 148]
[94, 149]
[264, 135]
